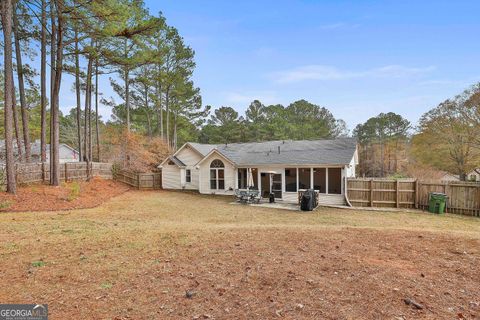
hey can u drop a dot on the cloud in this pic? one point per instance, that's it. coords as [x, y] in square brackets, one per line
[449, 82]
[245, 98]
[323, 72]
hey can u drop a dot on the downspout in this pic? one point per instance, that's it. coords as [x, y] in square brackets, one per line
[346, 192]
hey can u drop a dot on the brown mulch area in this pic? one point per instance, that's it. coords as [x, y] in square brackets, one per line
[67, 196]
[344, 274]
[173, 255]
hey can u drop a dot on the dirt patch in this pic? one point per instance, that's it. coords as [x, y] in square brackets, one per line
[69, 195]
[164, 255]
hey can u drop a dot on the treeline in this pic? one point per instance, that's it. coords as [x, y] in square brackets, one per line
[299, 120]
[382, 144]
[150, 67]
[447, 139]
[448, 136]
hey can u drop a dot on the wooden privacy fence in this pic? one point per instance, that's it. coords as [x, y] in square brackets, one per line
[38, 172]
[151, 180]
[463, 197]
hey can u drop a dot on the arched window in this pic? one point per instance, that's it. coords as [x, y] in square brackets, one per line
[217, 175]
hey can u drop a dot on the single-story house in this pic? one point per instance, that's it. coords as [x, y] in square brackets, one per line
[447, 176]
[474, 175]
[66, 153]
[295, 165]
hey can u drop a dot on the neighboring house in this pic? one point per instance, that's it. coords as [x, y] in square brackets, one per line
[295, 165]
[447, 176]
[474, 175]
[66, 153]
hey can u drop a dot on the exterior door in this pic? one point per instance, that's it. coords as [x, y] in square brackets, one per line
[277, 186]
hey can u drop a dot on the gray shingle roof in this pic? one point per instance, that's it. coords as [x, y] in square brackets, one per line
[317, 152]
[177, 161]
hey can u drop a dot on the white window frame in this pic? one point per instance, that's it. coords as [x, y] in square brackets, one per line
[217, 179]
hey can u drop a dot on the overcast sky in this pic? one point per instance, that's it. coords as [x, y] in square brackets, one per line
[357, 58]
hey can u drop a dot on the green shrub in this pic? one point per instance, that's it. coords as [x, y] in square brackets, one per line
[106, 285]
[398, 175]
[5, 204]
[74, 191]
[38, 264]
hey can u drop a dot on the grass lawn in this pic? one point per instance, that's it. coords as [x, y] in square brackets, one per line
[157, 255]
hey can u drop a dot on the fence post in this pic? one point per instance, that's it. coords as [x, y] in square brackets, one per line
[478, 202]
[66, 172]
[416, 194]
[371, 192]
[397, 197]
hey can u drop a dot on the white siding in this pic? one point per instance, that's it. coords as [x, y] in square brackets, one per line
[350, 169]
[190, 157]
[204, 176]
[171, 177]
[65, 154]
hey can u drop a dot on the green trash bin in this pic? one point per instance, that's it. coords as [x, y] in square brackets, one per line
[437, 202]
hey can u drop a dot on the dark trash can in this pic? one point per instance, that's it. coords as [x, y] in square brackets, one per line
[437, 202]
[271, 197]
[308, 201]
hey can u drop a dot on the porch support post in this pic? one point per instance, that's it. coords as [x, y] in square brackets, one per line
[235, 178]
[259, 181]
[297, 179]
[311, 178]
[326, 180]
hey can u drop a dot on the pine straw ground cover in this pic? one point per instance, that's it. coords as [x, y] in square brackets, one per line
[69, 195]
[173, 255]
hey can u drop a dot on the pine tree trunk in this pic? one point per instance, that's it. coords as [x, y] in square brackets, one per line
[168, 116]
[161, 113]
[6, 6]
[43, 86]
[158, 91]
[149, 123]
[88, 103]
[78, 96]
[53, 41]
[175, 132]
[127, 87]
[21, 88]
[15, 122]
[396, 155]
[382, 159]
[97, 133]
[55, 159]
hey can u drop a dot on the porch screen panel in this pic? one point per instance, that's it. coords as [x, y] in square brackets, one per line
[255, 178]
[335, 180]
[291, 179]
[304, 178]
[319, 180]
[242, 178]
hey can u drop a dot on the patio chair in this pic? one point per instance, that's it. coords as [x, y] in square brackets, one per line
[254, 196]
[241, 195]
